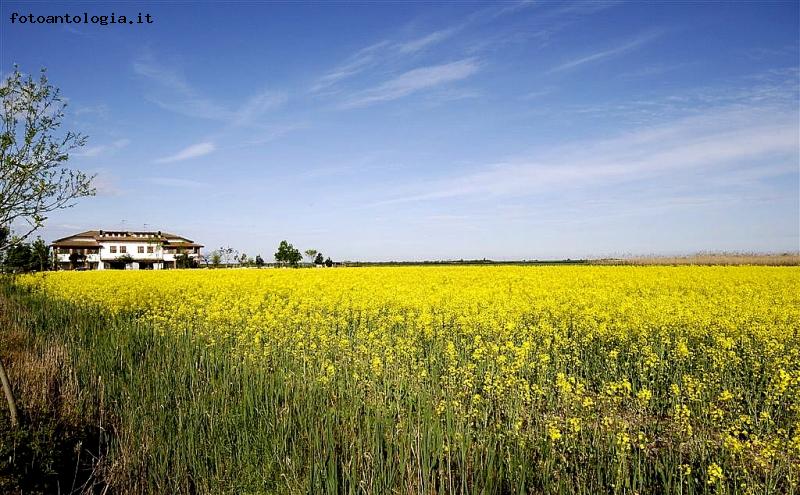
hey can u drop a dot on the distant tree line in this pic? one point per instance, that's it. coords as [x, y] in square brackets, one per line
[24, 256]
[287, 256]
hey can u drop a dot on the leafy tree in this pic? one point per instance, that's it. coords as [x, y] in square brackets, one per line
[311, 254]
[243, 260]
[183, 260]
[40, 252]
[5, 233]
[202, 259]
[288, 254]
[34, 178]
[216, 259]
[319, 260]
[125, 258]
[227, 254]
[19, 257]
[328, 262]
[259, 261]
[76, 259]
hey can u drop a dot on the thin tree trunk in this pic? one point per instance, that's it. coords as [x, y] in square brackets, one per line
[12, 406]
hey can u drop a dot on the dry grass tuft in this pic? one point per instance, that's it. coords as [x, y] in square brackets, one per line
[41, 377]
[50, 451]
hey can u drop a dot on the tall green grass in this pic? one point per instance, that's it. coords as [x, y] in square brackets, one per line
[177, 415]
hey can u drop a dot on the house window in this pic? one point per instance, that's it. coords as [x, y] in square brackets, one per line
[149, 249]
[113, 249]
[141, 249]
[63, 250]
[123, 249]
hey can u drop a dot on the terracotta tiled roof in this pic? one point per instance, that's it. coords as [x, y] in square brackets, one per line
[182, 245]
[131, 239]
[89, 233]
[93, 237]
[76, 243]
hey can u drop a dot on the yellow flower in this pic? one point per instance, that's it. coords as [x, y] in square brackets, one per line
[553, 432]
[496, 348]
[726, 395]
[714, 474]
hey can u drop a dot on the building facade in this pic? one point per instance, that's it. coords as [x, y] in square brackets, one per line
[106, 249]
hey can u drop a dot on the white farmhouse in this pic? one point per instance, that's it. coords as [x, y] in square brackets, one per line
[105, 249]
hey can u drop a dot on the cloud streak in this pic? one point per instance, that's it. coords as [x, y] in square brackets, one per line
[423, 42]
[760, 141]
[171, 91]
[174, 93]
[606, 54]
[193, 151]
[413, 81]
[393, 54]
[355, 64]
[102, 149]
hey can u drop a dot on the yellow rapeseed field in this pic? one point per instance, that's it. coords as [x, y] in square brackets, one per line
[693, 369]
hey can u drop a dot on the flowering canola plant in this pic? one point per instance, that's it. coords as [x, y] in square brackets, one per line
[694, 370]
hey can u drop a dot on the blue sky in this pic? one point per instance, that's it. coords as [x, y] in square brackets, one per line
[425, 131]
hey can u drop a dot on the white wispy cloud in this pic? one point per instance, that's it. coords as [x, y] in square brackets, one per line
[412, 81]
[770, 89]
[102, 149]
[354, 64]
[393, 54]
[607, 53]
[446, 95]
[584, 7]
[433, 38]
[651, 70]
[148, 67]
[532, 95]
[258, 105]
[722, 139]
[90, 152]
[270, 133]
[107, 183]
[193, 151]
[170, 90]
[201, 108]
[381, 54]
[101, 110]
[551, 18]
[75, 31]
[173, 92]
